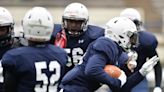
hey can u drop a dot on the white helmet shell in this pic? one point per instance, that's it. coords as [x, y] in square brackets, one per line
[131, 13]
[6, 18]
[120, 29]
[76, 11]
[38, 24]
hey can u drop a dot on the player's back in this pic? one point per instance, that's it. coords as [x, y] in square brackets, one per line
[37, 68]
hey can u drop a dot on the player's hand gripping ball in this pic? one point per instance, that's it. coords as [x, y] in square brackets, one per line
[112, 71]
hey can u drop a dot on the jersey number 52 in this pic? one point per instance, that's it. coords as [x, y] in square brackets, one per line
[49, 84]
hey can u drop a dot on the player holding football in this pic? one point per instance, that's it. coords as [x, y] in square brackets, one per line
[121, 34]
[75, 34]
[39, 66]
[146, 49]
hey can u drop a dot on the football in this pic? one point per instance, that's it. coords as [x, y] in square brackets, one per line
[112, 70]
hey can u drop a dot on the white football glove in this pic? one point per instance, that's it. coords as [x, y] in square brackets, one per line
[122, 78]
[148, 65]
[157, 89]
[132, 60]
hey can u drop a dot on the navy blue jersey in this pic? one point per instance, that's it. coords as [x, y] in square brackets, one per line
[35, 68]
[3, 50]
[76, 46]
[90, 74]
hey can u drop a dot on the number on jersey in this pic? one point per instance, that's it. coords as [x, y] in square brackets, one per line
[48, 83]
[76, 56]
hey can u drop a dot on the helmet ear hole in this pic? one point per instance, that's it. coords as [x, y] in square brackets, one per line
[121, 36]
[131, 13]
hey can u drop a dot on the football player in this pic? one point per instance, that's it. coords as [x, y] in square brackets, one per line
[39, 66]
[75, 34]
[120, 35]
[6, 39]
[146, 49]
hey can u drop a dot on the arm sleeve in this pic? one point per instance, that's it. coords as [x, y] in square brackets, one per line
[158, 74]
[157, 70]
[8, 64]
[132, 81]
[94, 68]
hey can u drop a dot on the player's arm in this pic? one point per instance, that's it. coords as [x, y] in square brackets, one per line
[157, 68]
[8, 64]
[137, 77]
[132, 81]
[158, 76]
[95, 69]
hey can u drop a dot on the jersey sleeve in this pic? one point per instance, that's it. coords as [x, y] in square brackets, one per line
[158, 74]
[95, 31]
[123, 58]
[148, 42]
[9, 67]
[131, 82]
[94, 68]
[8, 62]
[108, 48]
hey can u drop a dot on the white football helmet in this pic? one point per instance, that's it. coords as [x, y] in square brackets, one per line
[5, 17]
[76, 11]
[132, 14]
[6, 20]
[123, 31]
[38, 24]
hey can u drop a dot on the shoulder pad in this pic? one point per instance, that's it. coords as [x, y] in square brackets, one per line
[108, 47]
[57, 29]
[147, 39]
[95, 32]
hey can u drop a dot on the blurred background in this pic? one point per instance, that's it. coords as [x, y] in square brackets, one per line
[100, 12]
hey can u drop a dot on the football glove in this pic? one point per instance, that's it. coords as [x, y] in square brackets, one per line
[148, 65]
